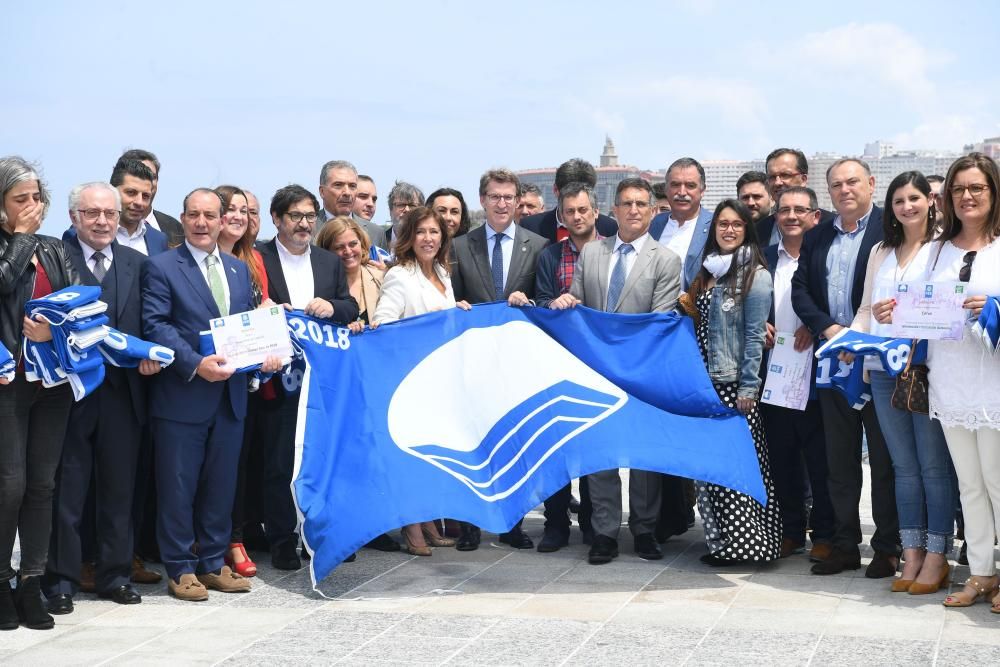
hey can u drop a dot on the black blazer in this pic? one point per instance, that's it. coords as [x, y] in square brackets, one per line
[765, 226]
[329, 280]
[545, 225]
[120, 290]
[471, 278]
[171, 227]
[809, 285]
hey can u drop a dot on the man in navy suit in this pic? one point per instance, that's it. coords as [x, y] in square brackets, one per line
[548, 224]
[786, 168]
[826, 292]
[105, 427]
[685, 228]
[158, 220]
[197, 407]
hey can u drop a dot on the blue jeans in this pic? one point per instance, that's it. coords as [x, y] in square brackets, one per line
[925, 491]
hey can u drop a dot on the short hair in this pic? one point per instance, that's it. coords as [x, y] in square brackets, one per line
[366, 178]
[575, 188]
[334, 164]
[465, 222]
[576, 170]
[935, 178]
[143, 156]
[407, 233]
[799, 190]
[403, 191]
[684, 163]
[222, 205]
[801, 163]
[751, 177]
[892, 229]
[638, 183]
[15, 169]
[845, 160]
[130, 167]
[289, 196]
[986, 164]
[660, 190]
[76, 194]
[531, 189]
[500, 175]
[334, 227]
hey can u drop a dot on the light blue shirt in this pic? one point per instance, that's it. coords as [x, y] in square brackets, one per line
[841, 263]
[506, 246]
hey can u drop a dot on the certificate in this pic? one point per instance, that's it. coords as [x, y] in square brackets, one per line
[788, 374]
[247, 339]
[929, 310]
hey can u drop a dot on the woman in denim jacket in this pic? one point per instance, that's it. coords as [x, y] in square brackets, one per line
[729, 300]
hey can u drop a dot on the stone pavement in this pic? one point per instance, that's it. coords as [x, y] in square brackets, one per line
[498, 606]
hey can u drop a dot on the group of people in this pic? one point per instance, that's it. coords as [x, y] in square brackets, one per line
[186, 466]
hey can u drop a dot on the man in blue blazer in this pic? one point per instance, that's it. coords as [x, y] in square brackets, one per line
[547, 224]
[685, 228]
[197, 406]
[826, 292]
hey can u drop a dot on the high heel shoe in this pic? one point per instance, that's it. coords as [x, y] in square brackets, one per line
[412, 549]
[245, 569]
[982, 592]
[437, 540]
[901, 585]
[917, 588]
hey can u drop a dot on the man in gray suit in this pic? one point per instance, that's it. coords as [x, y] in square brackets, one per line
[626, 273]
[338, 186]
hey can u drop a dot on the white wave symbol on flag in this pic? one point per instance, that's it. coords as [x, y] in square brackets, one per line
[492, 405]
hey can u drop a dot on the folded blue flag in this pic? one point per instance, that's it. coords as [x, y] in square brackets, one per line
[987, 327]
[78, 299]
[377, 254]
[126, 351]
[893, 352]
[7, 364]
[482, 415]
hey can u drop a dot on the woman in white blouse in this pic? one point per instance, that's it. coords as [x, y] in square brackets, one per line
[416, 284]
[965, 376]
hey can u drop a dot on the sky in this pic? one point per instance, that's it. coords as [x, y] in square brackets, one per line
[261, 94]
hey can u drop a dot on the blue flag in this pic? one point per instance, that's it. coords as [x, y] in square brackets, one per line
[7, 364]
[987, 327]
[482, 415]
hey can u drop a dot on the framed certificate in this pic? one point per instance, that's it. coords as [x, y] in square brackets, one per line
[931, 311]
[247, 339]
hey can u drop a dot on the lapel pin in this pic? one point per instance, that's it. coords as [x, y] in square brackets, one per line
[523, 249]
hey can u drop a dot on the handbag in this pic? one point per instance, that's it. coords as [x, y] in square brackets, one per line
[910, 393]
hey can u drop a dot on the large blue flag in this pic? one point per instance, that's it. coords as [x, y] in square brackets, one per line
[482, 415]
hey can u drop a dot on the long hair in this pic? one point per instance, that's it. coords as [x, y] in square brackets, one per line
[464, 222]
[892, 229]
[243, 248]
[739, 278]
[952, 225]
[335, 227]
[407, 235]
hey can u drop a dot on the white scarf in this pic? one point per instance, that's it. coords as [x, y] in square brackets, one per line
[718, 265]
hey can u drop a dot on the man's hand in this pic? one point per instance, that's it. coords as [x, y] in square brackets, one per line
[211, 369]
[38, 331]
[271, 364]
[29, 219]
[975, 304]
[266, 303]
[356, 327]
[564, 301]
[831, 331]
[518, 299]
[149, 367]
[846, 357]
[319, 308]
[769, 336]
[803, 339]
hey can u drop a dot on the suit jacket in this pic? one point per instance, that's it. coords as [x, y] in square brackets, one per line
[693, 259]
[545, 225]
[329, 280]
[120, 290]
[377, 234]
[171, 227]
[156, 241]
[177, 306]
[652, 285]
[406, 292]
[471, 277]
[809, 285]
[765, 226]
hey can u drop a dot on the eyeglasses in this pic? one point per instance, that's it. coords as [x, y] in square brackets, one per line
[298, 216]
[496, 199]
[975, 189]
[735, 226]
[403, 205]
[783, 176]
[799, 211]
[92, 214]
[965, 273]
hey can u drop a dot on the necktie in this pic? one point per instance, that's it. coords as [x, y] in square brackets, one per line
[497, 266]
[617, 281]
[99, 270]
[215, 284]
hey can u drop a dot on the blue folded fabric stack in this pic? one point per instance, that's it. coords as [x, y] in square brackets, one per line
[987, 327]
[126, 351]
[7, 364]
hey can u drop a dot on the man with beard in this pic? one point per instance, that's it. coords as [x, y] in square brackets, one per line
[751, 189]
[158, 220]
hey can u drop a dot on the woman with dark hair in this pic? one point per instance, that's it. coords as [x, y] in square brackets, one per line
[925, 493]
[729, 300]
[450, 205]
[965, 379]
[33, 418]
[418, 283]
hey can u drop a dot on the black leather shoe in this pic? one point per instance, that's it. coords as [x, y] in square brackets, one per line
[588, 536]
[883, 565]
[122, 595]
[517, 539]
[60, 604]
[469, 539]
[574, 505]
[716, 561]
[351, 558]
[604, 550]
[305, 553]
[383, 543]
[647, 548]
[30, 607]
[837, 562]
[552, 541]
[963, 554]
[285, 556]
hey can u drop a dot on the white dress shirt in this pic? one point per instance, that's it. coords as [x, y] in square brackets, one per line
[630, 258]
[506, 247]
[677, 237]
[298, 272]
[135, 241]
[199, 258]
[785, 319]
[151, 221]
[88, 254]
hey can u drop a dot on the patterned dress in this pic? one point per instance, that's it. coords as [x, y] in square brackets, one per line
[737, 528]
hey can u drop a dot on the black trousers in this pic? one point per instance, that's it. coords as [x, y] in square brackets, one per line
[260, 433]
[277, 504]
[557, 509]
[844, 427]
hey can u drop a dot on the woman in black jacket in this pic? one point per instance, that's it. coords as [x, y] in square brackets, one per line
[32, 417]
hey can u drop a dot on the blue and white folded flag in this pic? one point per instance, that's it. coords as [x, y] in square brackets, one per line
[987, 327]
[482, 415]
[126, 351]
[893, 352]
[378, 254]
[7, 364]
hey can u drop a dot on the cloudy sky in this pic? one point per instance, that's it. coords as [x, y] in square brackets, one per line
[260, 94]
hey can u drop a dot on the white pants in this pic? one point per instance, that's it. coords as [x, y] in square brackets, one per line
[976, 455]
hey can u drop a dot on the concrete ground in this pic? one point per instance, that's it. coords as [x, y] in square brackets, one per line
[499, 606]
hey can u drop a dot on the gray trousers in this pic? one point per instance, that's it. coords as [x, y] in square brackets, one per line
[606, 497]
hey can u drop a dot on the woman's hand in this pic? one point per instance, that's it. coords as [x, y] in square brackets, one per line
[266, 303]
[37, 332]
[29, 219]
[356, 327]
[882, 310]
[846, 357]
[975, 304]
[745, 405]
[769, 336]
[149, 367]
[463, 304]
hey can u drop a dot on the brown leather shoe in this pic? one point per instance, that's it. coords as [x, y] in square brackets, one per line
[883, 565]
[188, 588]
[837, 562]
[226, 581]
[140, 575]
[820, 552]
[790, 547]
[88, 574]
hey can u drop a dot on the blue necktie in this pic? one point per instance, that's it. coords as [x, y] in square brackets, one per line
[617, 282]
[497, 266]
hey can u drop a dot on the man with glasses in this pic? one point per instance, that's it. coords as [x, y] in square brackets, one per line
[751, 189]
[826, 292]
[510, 253]
[786, 168]
[403, 197]
[685, 229]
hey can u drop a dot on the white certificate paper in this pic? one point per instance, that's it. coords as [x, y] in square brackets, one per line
[788, 374]
[929, 310]
[247, 339]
